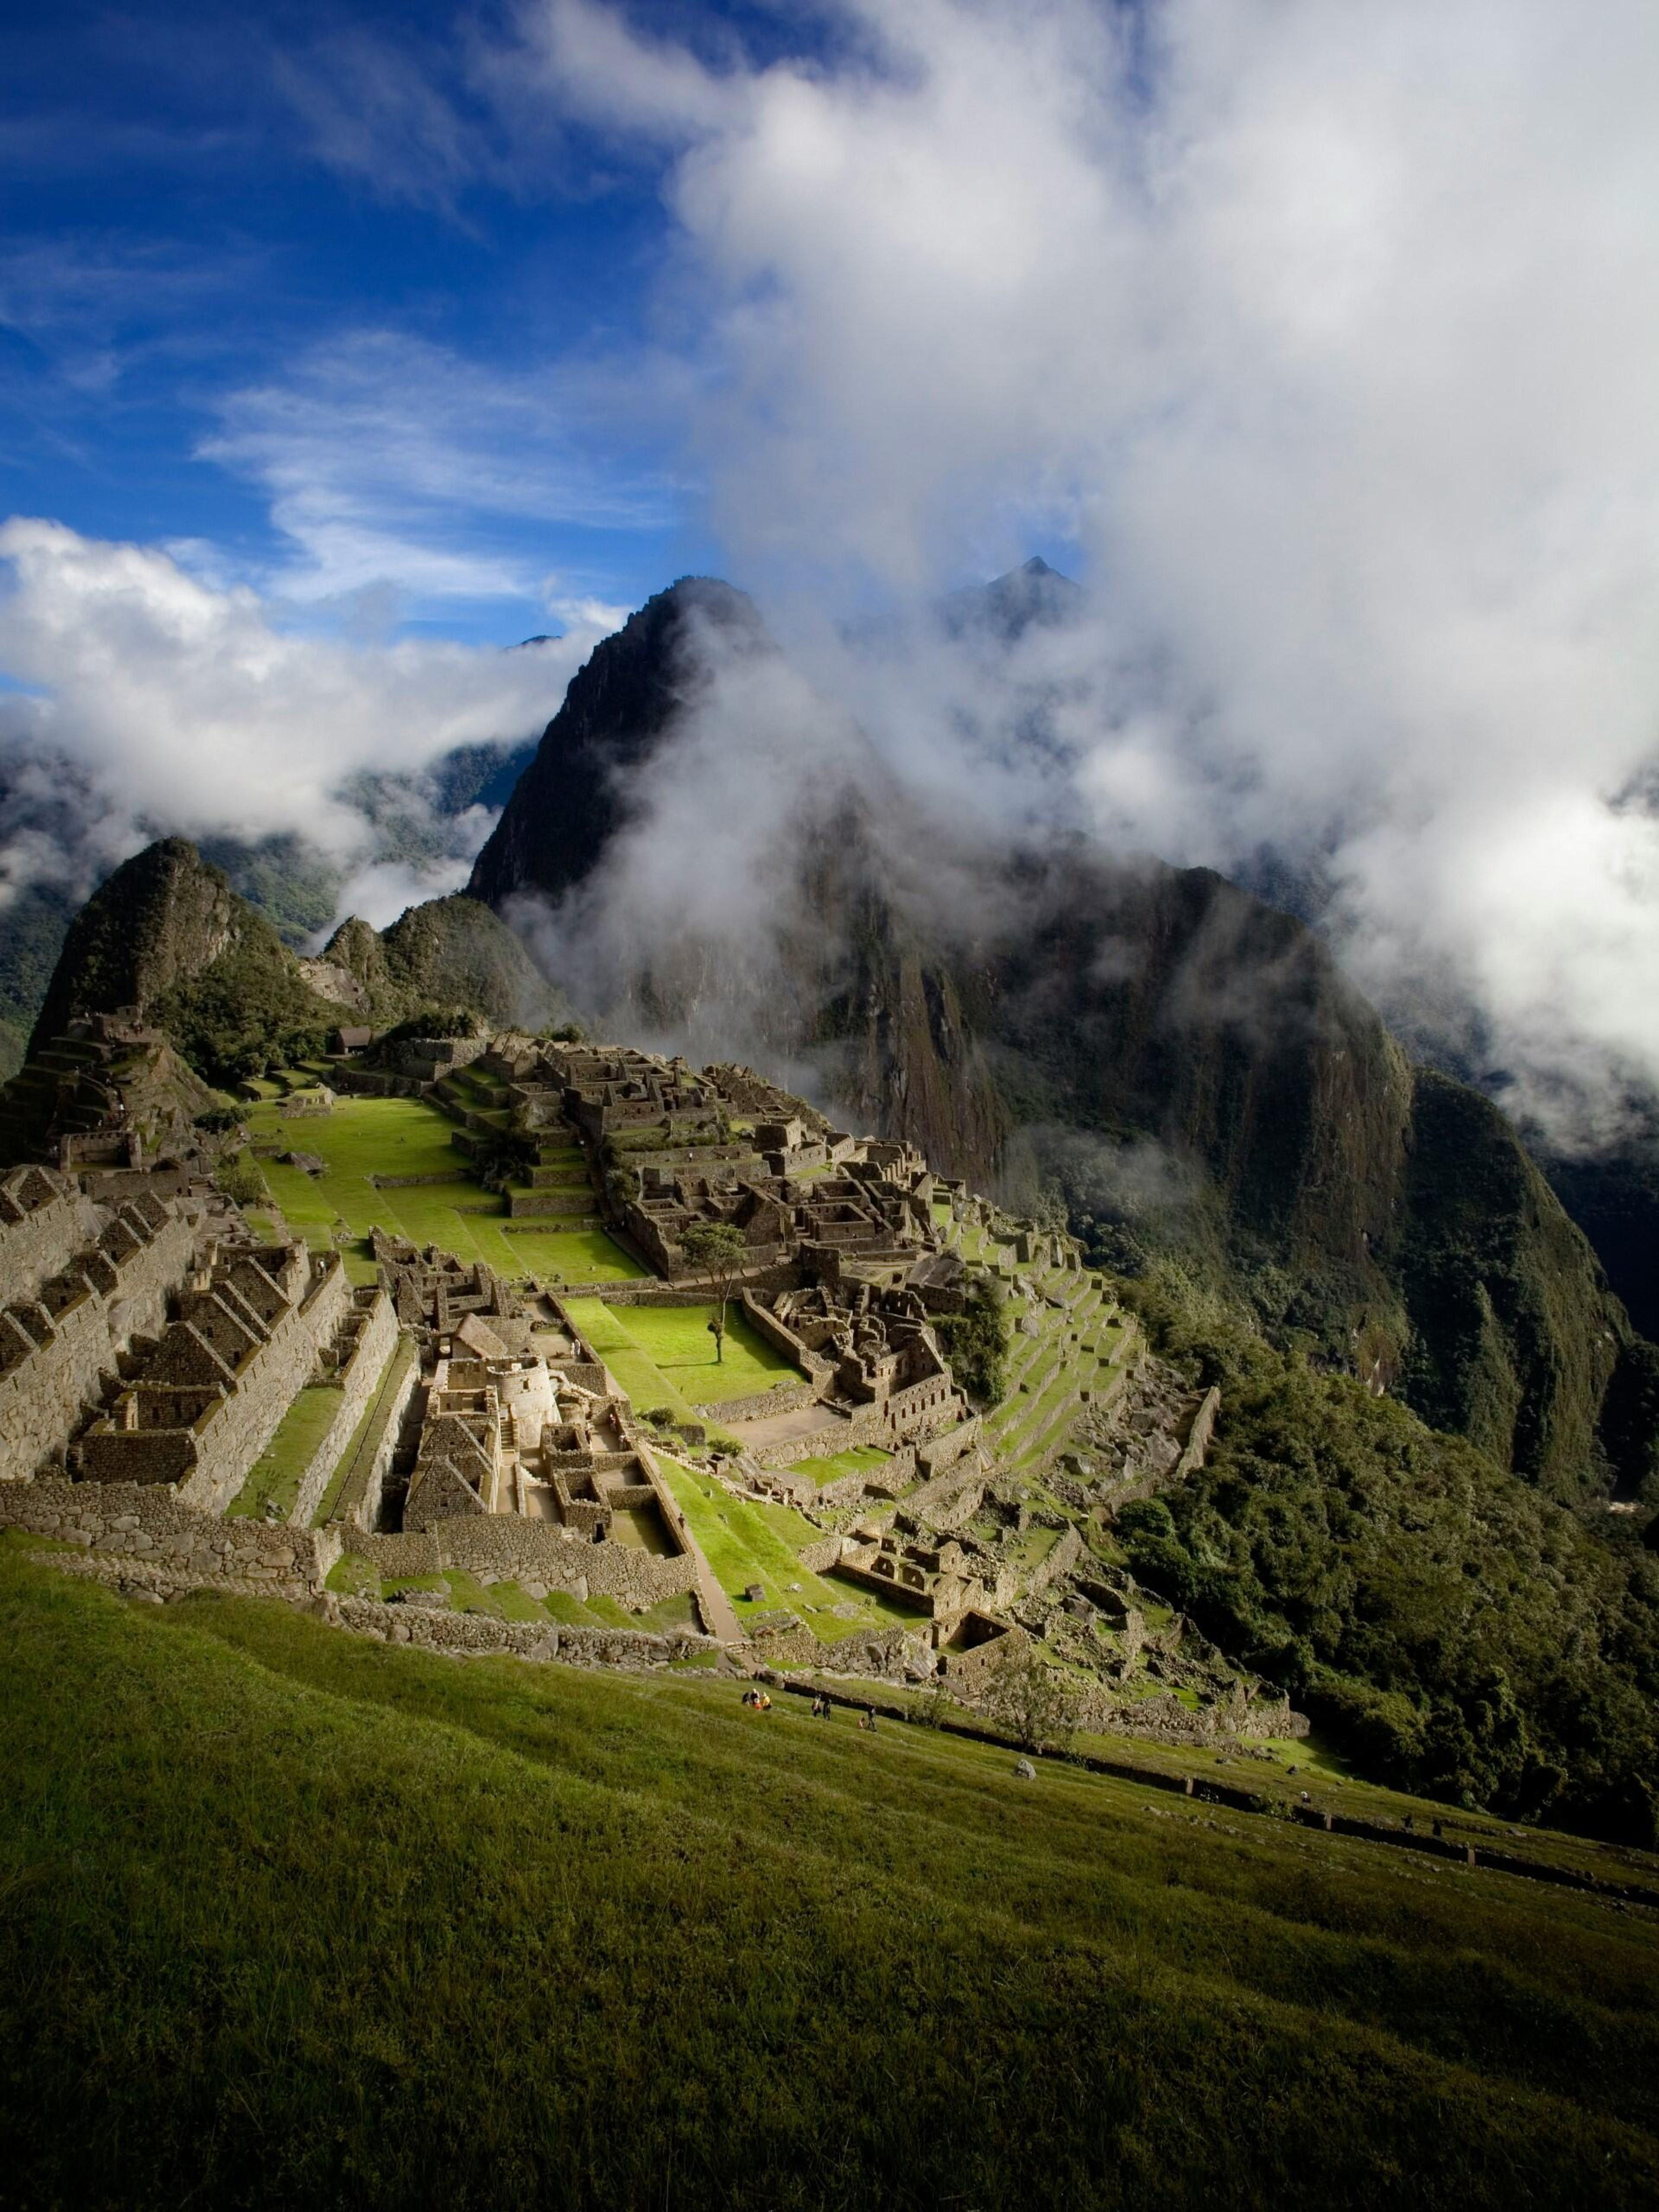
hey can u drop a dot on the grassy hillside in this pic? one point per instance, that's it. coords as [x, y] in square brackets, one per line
[292, 1918]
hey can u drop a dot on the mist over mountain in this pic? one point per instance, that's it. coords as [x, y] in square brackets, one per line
[709, 853]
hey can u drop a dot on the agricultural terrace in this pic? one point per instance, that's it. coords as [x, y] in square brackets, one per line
[670, 1351]
[831, 1468]
[1065, 1339]
[361, 1138]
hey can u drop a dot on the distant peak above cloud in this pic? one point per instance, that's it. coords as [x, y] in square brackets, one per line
[1008, 606]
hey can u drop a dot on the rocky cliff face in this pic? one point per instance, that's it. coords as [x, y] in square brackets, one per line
[575, 793]
[1063, 1004]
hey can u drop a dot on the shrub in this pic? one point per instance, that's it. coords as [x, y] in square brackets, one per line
[238, 1179]
[1032, 1700]
[975, 1342]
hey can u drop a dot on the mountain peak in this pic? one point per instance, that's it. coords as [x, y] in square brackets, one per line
[1008, 604]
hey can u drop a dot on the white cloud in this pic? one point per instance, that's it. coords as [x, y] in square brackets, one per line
[1330, 334]
[390, 461]
[174, 704]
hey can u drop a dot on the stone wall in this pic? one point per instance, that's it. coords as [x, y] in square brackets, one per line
[359, 1378]
[1062, 1557]
[971, 1671]
[889, 1481]
[39, 1239]
[767, 1282]
[44, 1393]
[781, 1398]
[961, 1469]
[781, 1337]
[505, 1544]
[1165, 1719]
[471, 1634]
[266, 1386]
[358, 1506]
[919, 1411]
[1198, 1437]
[146, 1527]
[943, 1452]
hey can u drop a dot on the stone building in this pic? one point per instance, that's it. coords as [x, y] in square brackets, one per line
[84, 1281]
[206, 1398]
[434, 1290]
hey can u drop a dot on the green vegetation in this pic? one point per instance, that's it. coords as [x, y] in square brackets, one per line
[454, 952]
[246, 1010]
[401, 1929]
[274, 1477]
[238, 1178]
[363, 1137]
[831, 1468]
[747, 1541]
[1460, 1634]
[1514, 1337]
[975, 1342]
[672, 1355]
[717, 1250]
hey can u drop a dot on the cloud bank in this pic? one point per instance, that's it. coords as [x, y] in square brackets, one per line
[1329, 337]
[153, 701]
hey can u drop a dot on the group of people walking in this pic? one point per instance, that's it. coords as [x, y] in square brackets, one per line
[822, 1706]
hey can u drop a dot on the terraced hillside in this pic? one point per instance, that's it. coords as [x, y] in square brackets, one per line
[394, 1164]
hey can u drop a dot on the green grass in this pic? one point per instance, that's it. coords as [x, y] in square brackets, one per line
[746, 1541]
[294, 1918]
[275, 1476]
[364, 1136]
[831, 1469]
[675, 1342]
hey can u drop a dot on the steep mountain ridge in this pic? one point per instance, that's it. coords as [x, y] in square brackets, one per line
[1064, 1016]
[167, 934]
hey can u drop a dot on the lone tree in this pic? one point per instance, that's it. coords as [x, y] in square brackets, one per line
[1033, 1702]
[715, 1249]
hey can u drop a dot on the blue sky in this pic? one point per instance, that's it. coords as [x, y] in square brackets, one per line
[279, 267]
[383, 310]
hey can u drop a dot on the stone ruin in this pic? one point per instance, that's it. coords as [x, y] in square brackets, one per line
[433, 1289]
[516, 1425]
[151, 1348]
[200, 1403]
